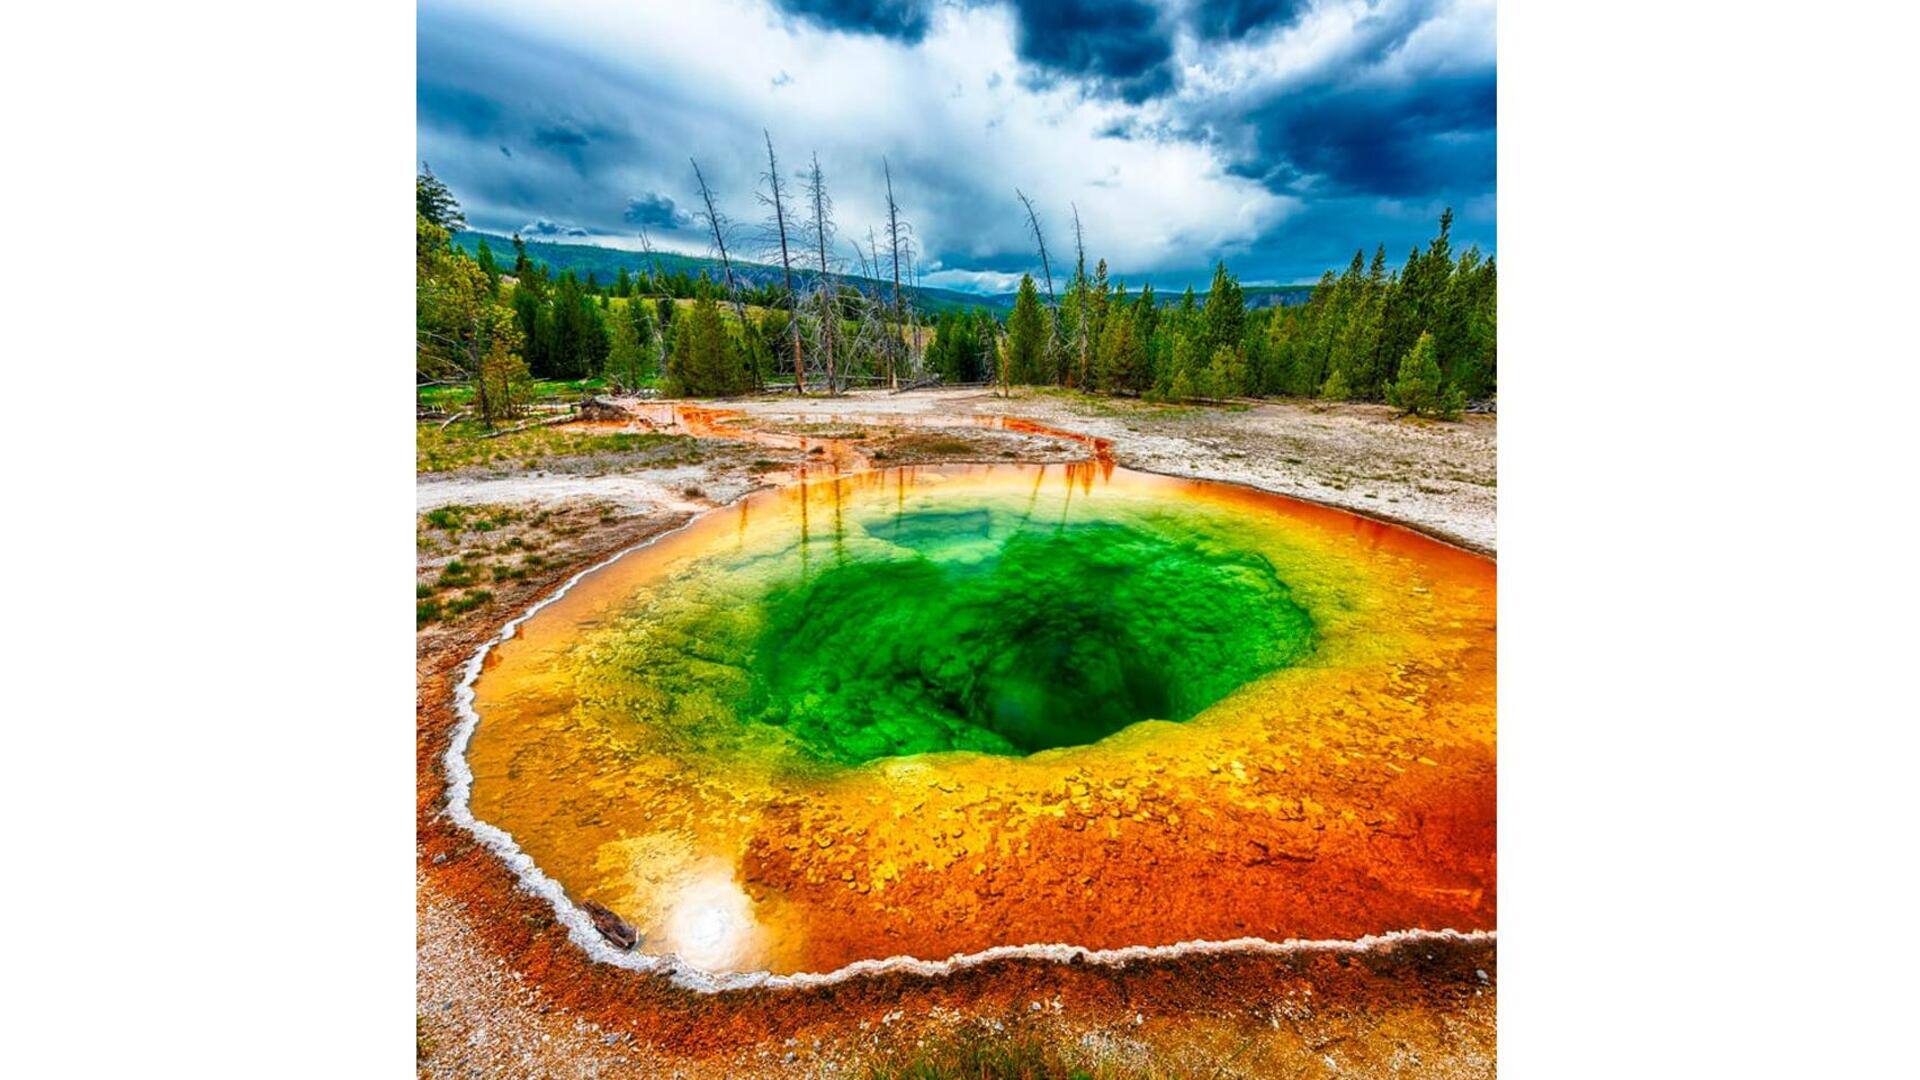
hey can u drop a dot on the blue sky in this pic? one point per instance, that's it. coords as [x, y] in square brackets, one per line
[1279, 135]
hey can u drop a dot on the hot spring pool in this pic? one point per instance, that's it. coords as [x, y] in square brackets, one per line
[935, 710]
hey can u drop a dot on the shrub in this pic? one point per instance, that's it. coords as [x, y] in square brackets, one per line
[1335, 388]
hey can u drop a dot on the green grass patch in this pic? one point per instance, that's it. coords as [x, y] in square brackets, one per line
[468, 601]
[456, 575]
[462, 444]
[455, 398]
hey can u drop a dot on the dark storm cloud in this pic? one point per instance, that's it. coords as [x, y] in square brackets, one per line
[537, 128]
[559, 139]
[455, 109]
[531, 130]
[1432, 134]
[574, 147]
[545, 228]
[905, 20]
[656, 211]
[1118, 47]
[1229, 20]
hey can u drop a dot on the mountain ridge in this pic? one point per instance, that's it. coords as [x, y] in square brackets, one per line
[605, 263]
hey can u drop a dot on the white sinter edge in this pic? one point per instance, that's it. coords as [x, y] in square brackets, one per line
[581, 931]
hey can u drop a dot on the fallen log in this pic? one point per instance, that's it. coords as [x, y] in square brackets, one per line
[601, 408]
[548, 422]
[921, 383]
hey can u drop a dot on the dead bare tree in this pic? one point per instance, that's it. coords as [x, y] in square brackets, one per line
[1079, 289]
[719, 225]
[1040, 239]
[659, 282]
[873, 331]
[775, 196]
[653, 260]
[916, 354]
[822, 228]
[997, 341]
[899, 237]
[1055, 352]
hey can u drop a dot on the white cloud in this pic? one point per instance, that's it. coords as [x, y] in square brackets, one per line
[960, 126]
[975, 281]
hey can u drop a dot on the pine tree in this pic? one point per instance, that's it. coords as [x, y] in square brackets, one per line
[1273, 376]
[706, 361]
[1313, 342]
[1123, 360]
[1191, 378]
[526, 312]
[484, 256]
[1359, 336]
[1227, 372]
[1226, 311]
[1146, 317]
[1463, 327]
[1027, 360]
[1102, 300]
[674, 380]
[1419, 389]
[954, 351]
[433, 201]
[504, 384]
[577, 344]
[630, 362]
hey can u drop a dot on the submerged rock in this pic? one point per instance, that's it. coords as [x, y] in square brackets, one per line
[611, 926]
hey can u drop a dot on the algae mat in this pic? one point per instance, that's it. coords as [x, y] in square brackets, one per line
[932, 711]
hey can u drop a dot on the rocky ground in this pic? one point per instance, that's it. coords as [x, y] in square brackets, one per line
[502, 993]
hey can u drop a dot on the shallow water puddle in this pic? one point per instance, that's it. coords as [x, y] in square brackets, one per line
[929, 711]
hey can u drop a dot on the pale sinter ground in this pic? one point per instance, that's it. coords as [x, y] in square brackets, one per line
[1437, 477]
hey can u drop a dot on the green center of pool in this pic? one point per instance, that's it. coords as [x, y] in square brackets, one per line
[973, 635]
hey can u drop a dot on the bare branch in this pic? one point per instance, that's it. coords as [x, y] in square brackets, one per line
[898, 236]
[720, 226]
[1039, 239]
[822, 227]
[653, 260]
[1084, 370]
[776, 195]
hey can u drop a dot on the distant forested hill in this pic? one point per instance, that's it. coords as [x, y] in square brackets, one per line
[605, 264]
[1262, 296]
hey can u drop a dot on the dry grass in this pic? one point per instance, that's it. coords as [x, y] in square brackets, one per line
[463, 445]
